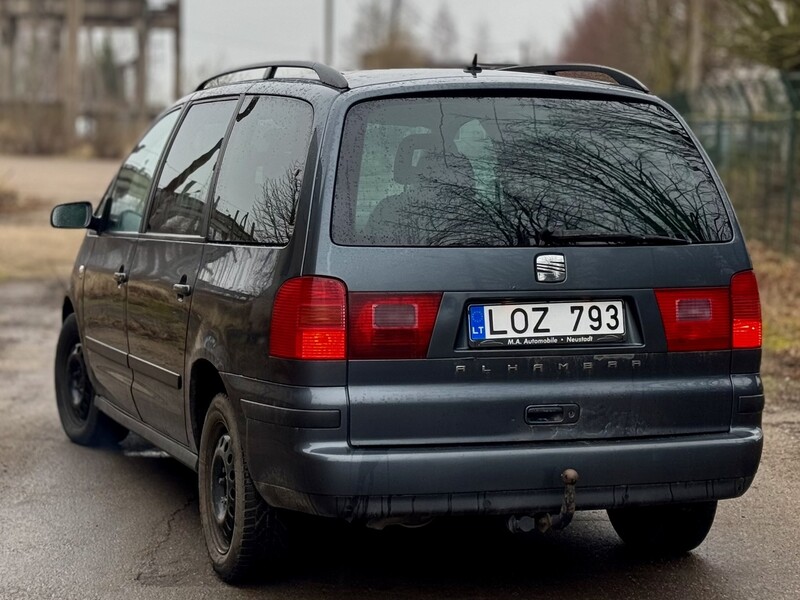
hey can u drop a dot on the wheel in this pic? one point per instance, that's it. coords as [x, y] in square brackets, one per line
[80, 419]
[240, 528]
[667, 530]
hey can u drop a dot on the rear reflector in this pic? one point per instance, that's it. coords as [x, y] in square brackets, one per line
[309, 320]
[746, 308]
[698, 319]
[391, 325]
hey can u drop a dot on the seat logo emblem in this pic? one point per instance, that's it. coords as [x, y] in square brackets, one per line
[551, 268]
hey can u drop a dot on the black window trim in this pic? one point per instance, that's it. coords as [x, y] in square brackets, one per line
[151, 196]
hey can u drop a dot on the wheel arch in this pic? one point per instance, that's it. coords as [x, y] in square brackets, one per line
[66, 308]
[205, 382]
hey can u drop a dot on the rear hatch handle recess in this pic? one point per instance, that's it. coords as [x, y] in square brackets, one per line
[552, 414]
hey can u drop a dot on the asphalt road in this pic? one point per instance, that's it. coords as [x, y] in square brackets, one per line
[124, 523]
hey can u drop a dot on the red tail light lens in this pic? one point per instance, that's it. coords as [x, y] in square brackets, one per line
[713, 318]
[309, 320]
[746, 308]
[391, 325]
[696, 319]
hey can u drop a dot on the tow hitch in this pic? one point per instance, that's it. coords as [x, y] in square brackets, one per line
[545, 521]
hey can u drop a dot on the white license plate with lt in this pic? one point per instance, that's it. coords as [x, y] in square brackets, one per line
[546, 323]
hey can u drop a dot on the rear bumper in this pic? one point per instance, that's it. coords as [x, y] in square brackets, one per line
[316, 471]
[518, 502]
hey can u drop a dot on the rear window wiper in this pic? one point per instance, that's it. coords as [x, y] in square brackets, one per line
[570, 236]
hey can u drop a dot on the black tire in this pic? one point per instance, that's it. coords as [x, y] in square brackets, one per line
[80, 419]
[666, 530]
[241, 530]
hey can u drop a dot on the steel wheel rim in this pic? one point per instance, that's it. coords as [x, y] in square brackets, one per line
[222, 491]
[79, 392]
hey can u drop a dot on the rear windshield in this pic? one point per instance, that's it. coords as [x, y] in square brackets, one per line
[510, 171]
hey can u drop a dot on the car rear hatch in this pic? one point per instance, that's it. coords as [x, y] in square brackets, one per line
[527, 269]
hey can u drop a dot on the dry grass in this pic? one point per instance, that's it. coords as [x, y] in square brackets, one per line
[36, 251]
[29, 247]
[14, 207]
[9, 198]
[779, 284]
[29, 187]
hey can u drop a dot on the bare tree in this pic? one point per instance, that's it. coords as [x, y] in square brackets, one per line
[444, 35]
[660, 42]
[275, 213]
[482, 41]
[383, 36]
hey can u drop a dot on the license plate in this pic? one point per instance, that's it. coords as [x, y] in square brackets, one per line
[547, 323]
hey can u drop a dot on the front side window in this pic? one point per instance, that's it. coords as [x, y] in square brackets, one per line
[521, 171]
[131, 188]
[255, 200]
[186, 176]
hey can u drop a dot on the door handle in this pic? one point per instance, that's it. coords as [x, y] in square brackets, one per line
[182, 290]
[121, 277]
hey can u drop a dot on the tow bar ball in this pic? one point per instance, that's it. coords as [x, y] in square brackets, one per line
[545, 521]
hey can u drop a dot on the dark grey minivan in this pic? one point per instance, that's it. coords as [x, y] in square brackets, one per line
[391, 296]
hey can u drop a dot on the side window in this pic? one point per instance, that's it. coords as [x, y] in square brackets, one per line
[188, 169]
[129, 192]
[255, 200]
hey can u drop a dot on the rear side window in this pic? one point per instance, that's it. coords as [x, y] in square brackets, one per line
[256, 196]
[188, 169]
[508, 171]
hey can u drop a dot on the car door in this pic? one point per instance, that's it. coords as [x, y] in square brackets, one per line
[165, 266]
[106, 271]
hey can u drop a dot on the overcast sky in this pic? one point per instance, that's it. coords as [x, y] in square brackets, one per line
[220, 34]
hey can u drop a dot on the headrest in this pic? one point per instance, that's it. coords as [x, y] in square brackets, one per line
[421, 156]
[412, 147]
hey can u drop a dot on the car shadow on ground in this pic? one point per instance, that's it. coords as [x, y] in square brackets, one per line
[459, 557]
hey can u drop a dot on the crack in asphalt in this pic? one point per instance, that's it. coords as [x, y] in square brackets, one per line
[152, 573]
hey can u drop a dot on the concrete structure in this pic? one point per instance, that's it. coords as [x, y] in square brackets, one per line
[48, 34]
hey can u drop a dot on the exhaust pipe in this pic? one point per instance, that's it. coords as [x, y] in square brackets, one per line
[545, 521]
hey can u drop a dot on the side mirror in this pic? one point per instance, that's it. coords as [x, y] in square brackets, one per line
[75, 215]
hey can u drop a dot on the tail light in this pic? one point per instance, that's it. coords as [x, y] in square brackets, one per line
[309, 320]
[696, 319]
[703, 319]
[746, 308]
[391, 325]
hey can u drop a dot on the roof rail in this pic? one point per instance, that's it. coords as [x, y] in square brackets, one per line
[620, 77]
[327, 75]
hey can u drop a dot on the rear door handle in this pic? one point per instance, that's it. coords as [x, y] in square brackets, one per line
[182, 290]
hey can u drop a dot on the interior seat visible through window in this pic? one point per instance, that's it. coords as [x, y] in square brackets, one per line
[437, 183]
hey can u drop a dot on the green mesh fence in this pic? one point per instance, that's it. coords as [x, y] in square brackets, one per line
[750, 126]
